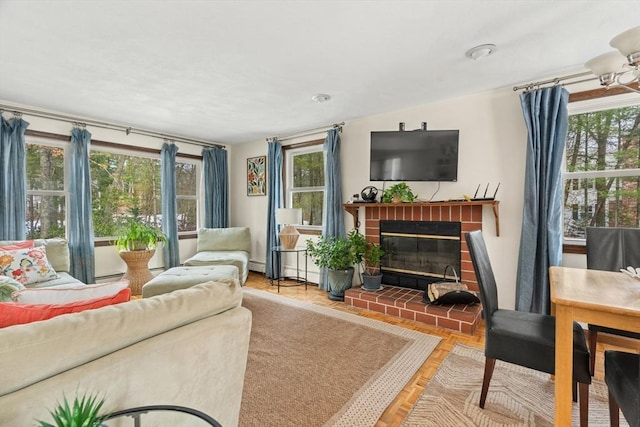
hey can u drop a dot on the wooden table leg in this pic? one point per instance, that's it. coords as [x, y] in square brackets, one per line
[564, 365]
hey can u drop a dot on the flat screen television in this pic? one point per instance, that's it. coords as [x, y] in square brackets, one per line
[419, 155]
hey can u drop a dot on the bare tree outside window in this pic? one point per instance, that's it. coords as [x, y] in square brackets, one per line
[602, 179]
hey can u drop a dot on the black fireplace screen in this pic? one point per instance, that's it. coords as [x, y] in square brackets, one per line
[417, 252]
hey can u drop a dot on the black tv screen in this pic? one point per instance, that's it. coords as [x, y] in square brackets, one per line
[430, 155]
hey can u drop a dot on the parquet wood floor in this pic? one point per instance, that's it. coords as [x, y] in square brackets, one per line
[400, 407]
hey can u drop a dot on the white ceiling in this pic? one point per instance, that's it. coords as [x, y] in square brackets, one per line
[238, 71]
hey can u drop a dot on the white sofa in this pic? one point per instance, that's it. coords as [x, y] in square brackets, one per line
[223, 246]
[186, 348]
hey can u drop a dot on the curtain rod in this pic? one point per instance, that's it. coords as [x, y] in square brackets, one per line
[126, 129]
[307, 132]
[557, 80]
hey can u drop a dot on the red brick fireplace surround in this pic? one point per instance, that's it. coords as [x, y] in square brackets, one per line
[407, 303]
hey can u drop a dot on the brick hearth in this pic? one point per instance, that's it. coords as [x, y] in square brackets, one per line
[407, 303]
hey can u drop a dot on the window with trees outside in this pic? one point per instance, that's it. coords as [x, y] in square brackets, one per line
[123, 184]
[305, 182]
[46, 194]
[602, 178]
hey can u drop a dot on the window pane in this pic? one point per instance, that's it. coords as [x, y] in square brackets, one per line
[603, 140]
[311, 204]
[45, 168]
[45, 217]
[123, 185]
[308, 170]
[602, 202]
[187, 210]
[186, 179]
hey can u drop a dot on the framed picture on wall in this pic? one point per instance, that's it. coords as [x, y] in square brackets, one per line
[257, 176]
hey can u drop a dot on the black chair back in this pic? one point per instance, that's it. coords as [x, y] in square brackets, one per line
[484, 274]
[612, 248]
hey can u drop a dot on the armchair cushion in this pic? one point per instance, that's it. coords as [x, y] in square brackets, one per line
[224, 239]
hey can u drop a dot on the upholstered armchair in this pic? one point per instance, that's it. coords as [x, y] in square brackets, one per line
[524, 339]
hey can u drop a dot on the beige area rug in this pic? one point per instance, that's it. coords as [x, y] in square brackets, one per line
[316, 366]
[517, 396]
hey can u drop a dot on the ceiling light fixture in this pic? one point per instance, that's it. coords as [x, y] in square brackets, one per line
[321, 97]
[619, 68]
[481, 51]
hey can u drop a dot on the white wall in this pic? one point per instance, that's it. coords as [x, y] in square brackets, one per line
[492, 149]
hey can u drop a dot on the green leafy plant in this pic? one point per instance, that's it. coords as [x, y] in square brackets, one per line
[369, 253]
[83, 412]
[399, 192]
[138, 236]
[336, 253]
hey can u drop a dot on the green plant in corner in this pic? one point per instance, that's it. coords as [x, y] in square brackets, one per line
[397, 193]
[83, 412]
[136, 235]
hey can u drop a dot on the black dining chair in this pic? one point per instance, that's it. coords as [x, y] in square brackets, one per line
[622, 376]
[521, 338]
[611, 249]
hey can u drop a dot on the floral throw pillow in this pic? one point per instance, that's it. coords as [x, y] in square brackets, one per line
[28, 265]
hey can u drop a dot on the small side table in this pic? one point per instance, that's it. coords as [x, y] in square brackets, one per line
[299, 279]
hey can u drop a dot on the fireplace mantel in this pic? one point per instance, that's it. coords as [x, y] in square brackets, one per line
[353, 208]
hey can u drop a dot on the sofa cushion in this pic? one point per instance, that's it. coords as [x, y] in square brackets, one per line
[63, 294]
[7, 287]
[18, 245]
[28, 265]
[64, 280]
[12, 313]
[239, 259]
[57, 251]
[224, 239]
[105, 331]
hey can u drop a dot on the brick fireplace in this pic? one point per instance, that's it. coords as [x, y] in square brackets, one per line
[407, 303]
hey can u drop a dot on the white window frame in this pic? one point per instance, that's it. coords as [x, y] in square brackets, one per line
[289, 190]
[196, 195]
[589, 106]
[43, 141]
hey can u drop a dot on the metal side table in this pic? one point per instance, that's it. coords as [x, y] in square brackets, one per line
[279, 250]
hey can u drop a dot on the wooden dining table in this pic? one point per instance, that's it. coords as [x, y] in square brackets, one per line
[604, 298]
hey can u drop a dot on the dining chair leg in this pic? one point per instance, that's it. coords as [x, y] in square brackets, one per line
[489, 364]
[593, 341]
[614, 412]
[583, 390]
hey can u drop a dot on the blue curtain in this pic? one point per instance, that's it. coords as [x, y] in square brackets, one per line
[545, 113]
[216, 188]
[333, 213]
[81, 243]
[13, 179]
[274, 192]
[170, 252]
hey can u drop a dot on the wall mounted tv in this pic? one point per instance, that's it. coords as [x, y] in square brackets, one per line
[430, 155]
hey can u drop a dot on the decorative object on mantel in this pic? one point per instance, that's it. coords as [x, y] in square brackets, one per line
[289, 234]
[447, 292]
[397, 193]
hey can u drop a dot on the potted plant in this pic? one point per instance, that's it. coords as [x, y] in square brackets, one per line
[83, 412]
[370, 254]
[338, 255]
[397, 193]
[136, 235]
[136, 244]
